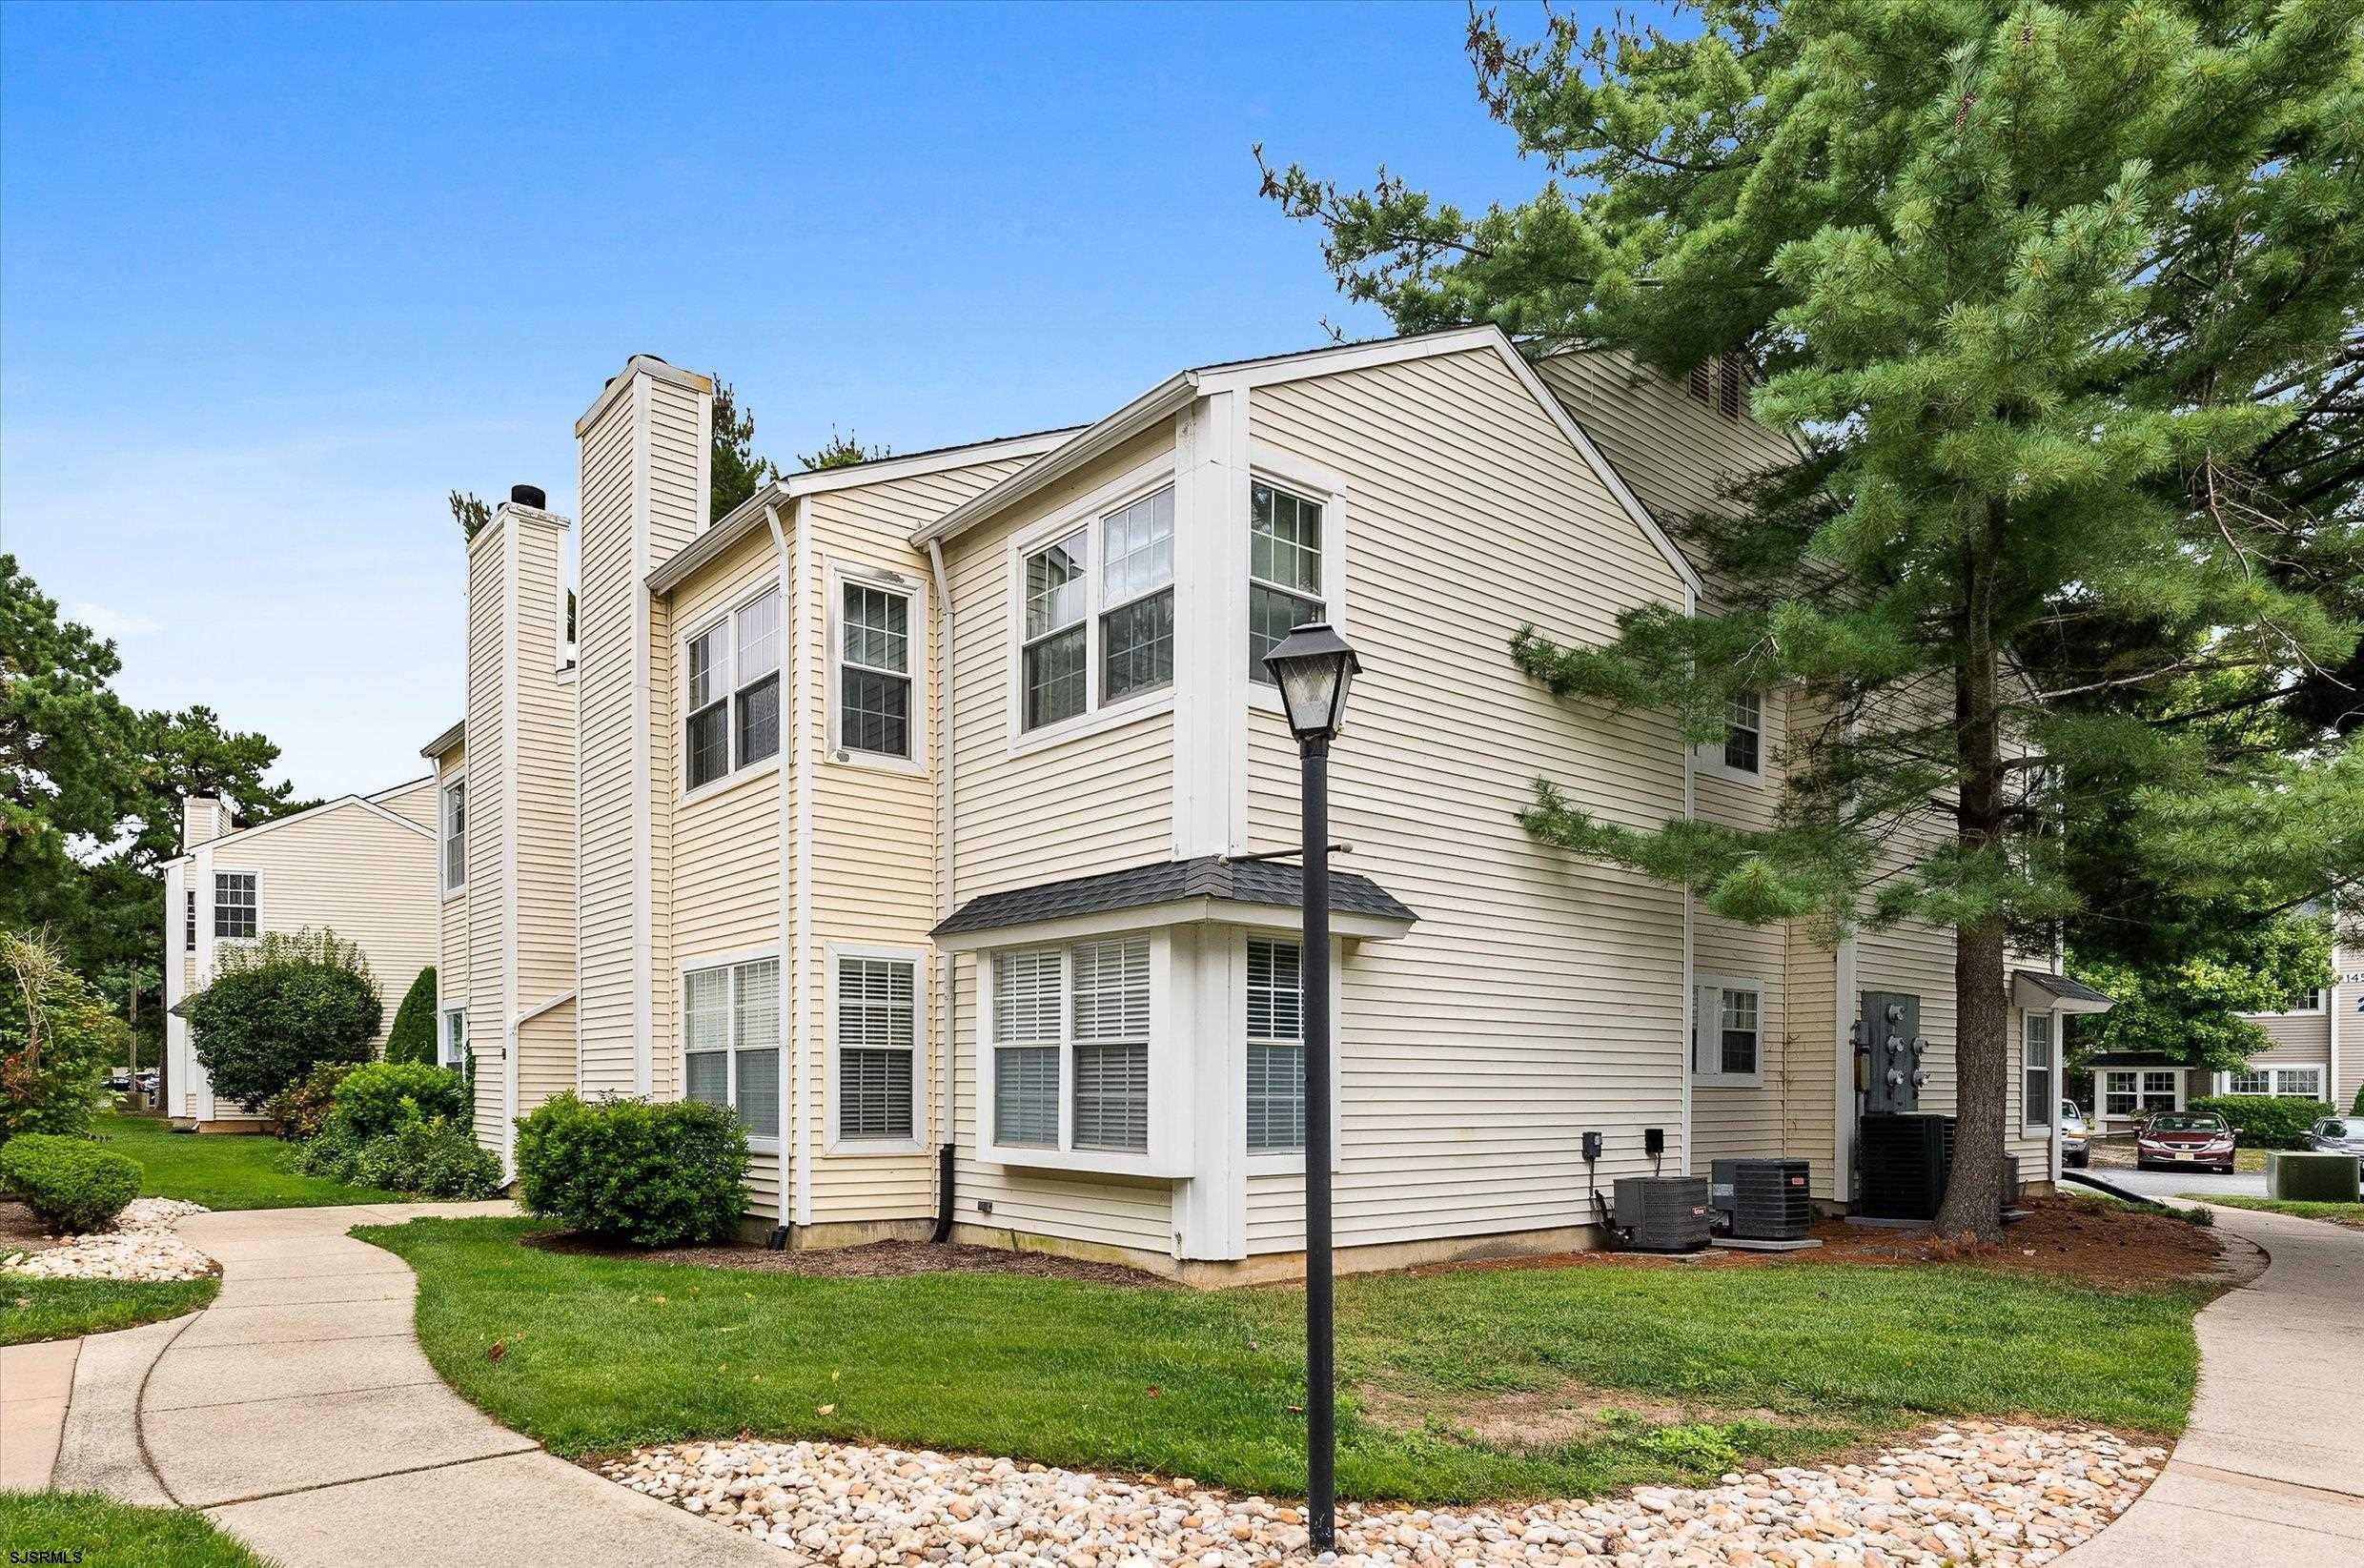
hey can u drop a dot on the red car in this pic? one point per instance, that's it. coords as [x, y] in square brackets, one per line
[2185, 1139]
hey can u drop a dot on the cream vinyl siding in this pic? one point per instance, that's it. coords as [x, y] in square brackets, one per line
[2299, 1038]
[414, 799]
[1539, 995]
[544, 787]
[1093, 802]
[451, 972]
[490, 756]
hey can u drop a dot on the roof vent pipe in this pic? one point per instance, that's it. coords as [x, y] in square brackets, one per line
[529, 495]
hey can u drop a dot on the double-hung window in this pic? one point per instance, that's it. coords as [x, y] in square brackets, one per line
[1276, 1047]
[455, 1043]
[877, 1049]
[2035, 1066]
[454, 835]
[1284, 569]
[1072, 1020]
[874, 671]
[730, 1040]
[2252, 1081]
[189, 930]
[1111, 1029]
[1028, 1019]
[236, 907]
[1728, 1036]
[731, 692]
[1744, 732]
[1094, 637]
[2129, 1091]
[2291, 1083]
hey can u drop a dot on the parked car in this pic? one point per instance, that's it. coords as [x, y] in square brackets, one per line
[2076, 1138]
[2335, 1135]
[119, 1081]
[2185, 1138]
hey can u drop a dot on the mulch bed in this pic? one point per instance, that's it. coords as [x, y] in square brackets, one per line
[20, 1231]
[874, 1260]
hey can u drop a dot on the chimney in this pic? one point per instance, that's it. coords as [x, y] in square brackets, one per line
[203, 820]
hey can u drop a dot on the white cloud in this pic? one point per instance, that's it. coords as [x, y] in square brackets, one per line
[118, 624]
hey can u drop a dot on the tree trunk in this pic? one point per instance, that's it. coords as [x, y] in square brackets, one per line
[1982, 1015]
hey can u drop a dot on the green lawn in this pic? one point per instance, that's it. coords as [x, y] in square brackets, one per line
[223, 1170]
[599, 1354]
[66, 1309]
[2338, 1213]
[86, 1528]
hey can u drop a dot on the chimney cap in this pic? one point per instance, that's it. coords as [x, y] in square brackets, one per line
[529, 495]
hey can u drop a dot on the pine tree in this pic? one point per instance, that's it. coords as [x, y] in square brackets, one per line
[2054, 297]
[411, 1037]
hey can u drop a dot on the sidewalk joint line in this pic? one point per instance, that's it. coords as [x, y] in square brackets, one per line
[377, 1475]
[309, 1393]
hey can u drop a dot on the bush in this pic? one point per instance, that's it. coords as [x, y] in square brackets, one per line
[2264, 1121]
[429, 1159]
[412, 1038]
[2357, 1109]
[300, 1108]
[380, 1096]
[651, 1173]
[58, 1038]
[335, 1152]
[71, 1183]
[277, 1008]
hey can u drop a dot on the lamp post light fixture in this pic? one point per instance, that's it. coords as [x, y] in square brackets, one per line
[1314, 667]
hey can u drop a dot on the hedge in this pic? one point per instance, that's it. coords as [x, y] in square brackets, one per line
[302, 1109]
[656, 1174]
[411, 1037]
[71, 1183]
[2264, 1121]
[378, 1097]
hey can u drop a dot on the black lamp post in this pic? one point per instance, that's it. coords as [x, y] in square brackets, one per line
[1314, 667]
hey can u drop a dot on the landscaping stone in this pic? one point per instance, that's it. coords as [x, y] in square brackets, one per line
[2004, 1497]
[144, 1246]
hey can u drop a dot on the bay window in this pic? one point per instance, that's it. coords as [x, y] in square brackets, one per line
[1076, 1076]
[1276, 1047]
[730, 681]
[2035, 1099]
[1093, 635]
[1284, 569]
[730, 1040]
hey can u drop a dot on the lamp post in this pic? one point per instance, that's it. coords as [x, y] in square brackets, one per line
[1313, 668]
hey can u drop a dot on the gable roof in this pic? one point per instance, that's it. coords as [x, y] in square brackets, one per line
[1170, 397]
[445, 741]
[1214, 878]
[362, 803]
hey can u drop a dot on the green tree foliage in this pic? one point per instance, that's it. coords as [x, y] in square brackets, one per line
[736, 471]
[471, 511]
[280, 1007]
[2053, 295]
[412, 1036]
[2189, 1008]
[840, 452]
[58, 1039]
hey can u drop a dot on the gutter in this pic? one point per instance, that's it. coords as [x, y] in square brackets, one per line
[796, 1205]
[1161, 401]
[946, 751]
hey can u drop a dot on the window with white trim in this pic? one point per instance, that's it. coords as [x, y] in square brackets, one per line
[2310, 1000]
[454, 1049]
[2302, 1083]
[189, 930]
[1727, 1031]
[1744, 732]
[1093, 638]
[237, 907]
[1284, 569]
[2129, 1091]
[1275, 998]
[730, 1040]
[2035, 1066]
[1076, 1019]
[874, 670]
[877, 1049]
[730, 692]
[455, 835]
[1137, 597]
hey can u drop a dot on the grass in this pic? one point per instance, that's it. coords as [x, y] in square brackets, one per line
[86, 1528]
[1767, 1364]
[66, 1309]
[222, 1171]
[2338, 1213]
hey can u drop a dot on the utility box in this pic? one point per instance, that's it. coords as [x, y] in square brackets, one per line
[1893, 1053]
[1764, 1200]
[2312, 1177]
[1663, 1214]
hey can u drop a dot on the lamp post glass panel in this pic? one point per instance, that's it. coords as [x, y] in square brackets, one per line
[1313, 668]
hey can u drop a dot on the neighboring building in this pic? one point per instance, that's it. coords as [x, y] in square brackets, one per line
[360, 866]
[904, 810]
[2317, 1048]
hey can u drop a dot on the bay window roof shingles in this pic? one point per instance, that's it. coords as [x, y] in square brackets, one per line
[1276, 883]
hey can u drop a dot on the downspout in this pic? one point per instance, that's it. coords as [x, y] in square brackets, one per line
[796, 1153]
[947, 752]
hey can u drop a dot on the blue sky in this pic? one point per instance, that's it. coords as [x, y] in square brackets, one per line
[273, 280]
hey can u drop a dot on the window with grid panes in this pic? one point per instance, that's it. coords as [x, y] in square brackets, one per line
[1284, 569]
[236, 905]
[454, 835]
[874, 671]
[730, 1041]
[1276, 1047]
[1137, 597]
[1744, 731]
[877, 1047]
[1055, 657]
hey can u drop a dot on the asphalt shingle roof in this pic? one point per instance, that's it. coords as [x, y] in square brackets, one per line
[2063, 987]
[1280, 883]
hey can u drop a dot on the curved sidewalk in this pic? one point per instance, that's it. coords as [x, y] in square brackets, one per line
[299, 1413]
[2271, 1468]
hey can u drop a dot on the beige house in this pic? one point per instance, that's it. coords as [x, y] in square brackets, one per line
[909, 810]
[361, 866]
[2317, 1049]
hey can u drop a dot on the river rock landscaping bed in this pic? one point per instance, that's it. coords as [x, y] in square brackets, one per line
[144, 1246]
[2007, 1497]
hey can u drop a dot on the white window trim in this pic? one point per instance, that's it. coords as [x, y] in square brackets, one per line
[1291, 1162]
[210, 910]
[699, 964]
[2322, 995]
[443, 1038]
[1315, 483]
[2101, 1091]
[1708, 757]
[1719, 1078]
[737, 773]
[2273, 1073]
[1169, 1151]
[2028, 1121]
[914, 591]
[442, 834]
[921, 1118]
[1086, 514]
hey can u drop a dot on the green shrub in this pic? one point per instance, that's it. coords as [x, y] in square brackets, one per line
[280, 1006]
[300, 1108]
[380, 1096]
[2357, 1109]
[429, 1159]
[412, 1038]
[2264, 1121]
[58, 1038]
[71, 1183]
[335, 1152]
[651, 1173]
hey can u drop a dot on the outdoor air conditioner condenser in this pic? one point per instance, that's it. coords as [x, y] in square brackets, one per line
[1764, 1200]
[1663, 1214]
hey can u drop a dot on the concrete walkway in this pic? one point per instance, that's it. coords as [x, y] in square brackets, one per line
[299, 1413]
[2271, 1468]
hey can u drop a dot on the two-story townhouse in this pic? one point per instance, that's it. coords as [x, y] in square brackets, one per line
[2317, 1043]
[924, 812]
[360, 866]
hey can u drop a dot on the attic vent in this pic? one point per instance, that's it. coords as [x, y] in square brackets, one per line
[1728, 386]
[529, 495]
[1699, 381]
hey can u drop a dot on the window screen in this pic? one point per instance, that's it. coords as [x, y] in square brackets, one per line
[1136, 588]
[1276, 1047]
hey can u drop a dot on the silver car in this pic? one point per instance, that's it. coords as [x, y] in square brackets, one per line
[2335, 1135]
[2076, 1139]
